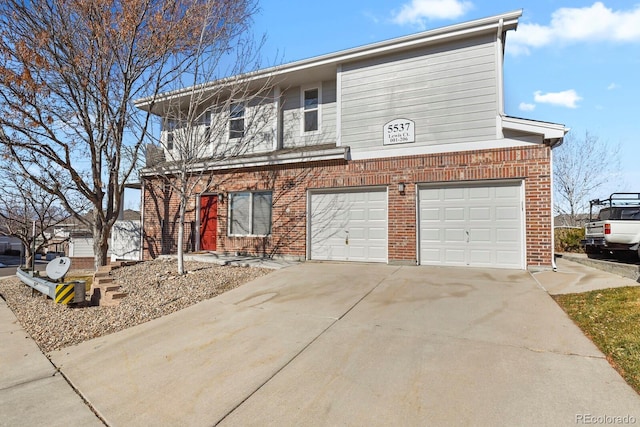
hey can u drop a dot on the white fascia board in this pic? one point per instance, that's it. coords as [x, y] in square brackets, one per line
[549, 131]
[440, 149]
[340, 153]
[506, 21]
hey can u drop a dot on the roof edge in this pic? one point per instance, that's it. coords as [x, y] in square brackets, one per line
[505, 21]
[552, 132]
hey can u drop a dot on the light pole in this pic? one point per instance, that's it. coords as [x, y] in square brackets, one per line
[33, 251]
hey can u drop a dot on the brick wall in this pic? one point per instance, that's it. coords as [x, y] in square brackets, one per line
[83, 263]
[290, 184]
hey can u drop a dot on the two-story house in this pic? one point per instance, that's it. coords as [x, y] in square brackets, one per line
[396, 152]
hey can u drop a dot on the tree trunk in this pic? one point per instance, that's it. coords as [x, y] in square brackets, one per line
[100, 244]
[181, 237]
[28, 258]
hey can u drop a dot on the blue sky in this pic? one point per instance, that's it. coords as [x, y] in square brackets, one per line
[571, 62]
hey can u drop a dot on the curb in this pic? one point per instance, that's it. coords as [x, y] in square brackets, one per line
[631, 271]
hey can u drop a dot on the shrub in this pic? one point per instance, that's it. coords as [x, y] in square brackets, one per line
[568, 239]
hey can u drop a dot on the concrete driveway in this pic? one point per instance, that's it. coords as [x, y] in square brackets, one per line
[353, 344]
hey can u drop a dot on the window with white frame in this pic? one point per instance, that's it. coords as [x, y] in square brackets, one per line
[311, 109]
[250, 213]
[170, 125]
[204, 121]
[236, 120]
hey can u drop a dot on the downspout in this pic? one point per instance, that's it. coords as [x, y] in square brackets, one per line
[499, 64]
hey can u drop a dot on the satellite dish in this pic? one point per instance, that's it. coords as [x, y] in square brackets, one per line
[58, 267]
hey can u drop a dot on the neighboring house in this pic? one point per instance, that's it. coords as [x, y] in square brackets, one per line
[396, 152]
[125, 243]
[565, 220]
[75, 239]
[10, 244]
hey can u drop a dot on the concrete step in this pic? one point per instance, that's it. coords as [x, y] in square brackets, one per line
[112, 299]
[116, 295]
[100, 281]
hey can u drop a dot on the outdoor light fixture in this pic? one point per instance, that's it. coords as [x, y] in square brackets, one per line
[401, 187]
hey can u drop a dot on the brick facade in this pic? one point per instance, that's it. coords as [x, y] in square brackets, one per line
[290, 184]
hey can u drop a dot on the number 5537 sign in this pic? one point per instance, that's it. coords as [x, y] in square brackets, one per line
[399, 131]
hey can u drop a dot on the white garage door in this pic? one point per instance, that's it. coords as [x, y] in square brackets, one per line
[474, 225]
[348, 226]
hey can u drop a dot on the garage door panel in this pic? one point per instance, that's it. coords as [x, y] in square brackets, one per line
[454, 256]
[508, 192]
[482, 257]
[349, 226]
[480, 236]
[480, 214]
[429, 195]
[375, 214]
[378, 233]
[430, 235]
[452, 193]
[508, 257]
[454, 235]
[377, 196]
[475, 225]
[454, 214]
[507, 213]
[479, 193]
[430, 214]
[357, 214]
[507, 235]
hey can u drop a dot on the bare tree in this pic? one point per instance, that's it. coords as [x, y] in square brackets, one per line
[582, 166]
[24, 207]
[207, 120]
[69, 72]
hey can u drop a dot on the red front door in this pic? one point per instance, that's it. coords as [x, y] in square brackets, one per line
[208, 222]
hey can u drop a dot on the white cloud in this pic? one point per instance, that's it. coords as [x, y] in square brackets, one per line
[419, 11]
[526, 107]
[570, 25]
[567, 98]
[613, 86]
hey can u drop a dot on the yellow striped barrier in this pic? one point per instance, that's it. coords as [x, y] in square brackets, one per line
[65, 293]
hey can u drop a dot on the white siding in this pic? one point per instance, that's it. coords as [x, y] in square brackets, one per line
[125, 240]
[449, 91]
[291, 118]
[81, 247]
[260, 114]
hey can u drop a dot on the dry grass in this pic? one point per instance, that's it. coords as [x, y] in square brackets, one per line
[611, 318]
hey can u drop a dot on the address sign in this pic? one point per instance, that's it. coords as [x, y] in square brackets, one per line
[399, 131]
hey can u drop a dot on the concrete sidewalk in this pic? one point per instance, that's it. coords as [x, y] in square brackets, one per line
[573, 277]
[32, 392]
[355, 344]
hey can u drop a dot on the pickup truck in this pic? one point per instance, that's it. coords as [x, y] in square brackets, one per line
[616, 230]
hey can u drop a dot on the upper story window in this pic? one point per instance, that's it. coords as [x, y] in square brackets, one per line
[170, 126]
[204, 120]
[250, 213]
[236, 120]
[311, 109]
